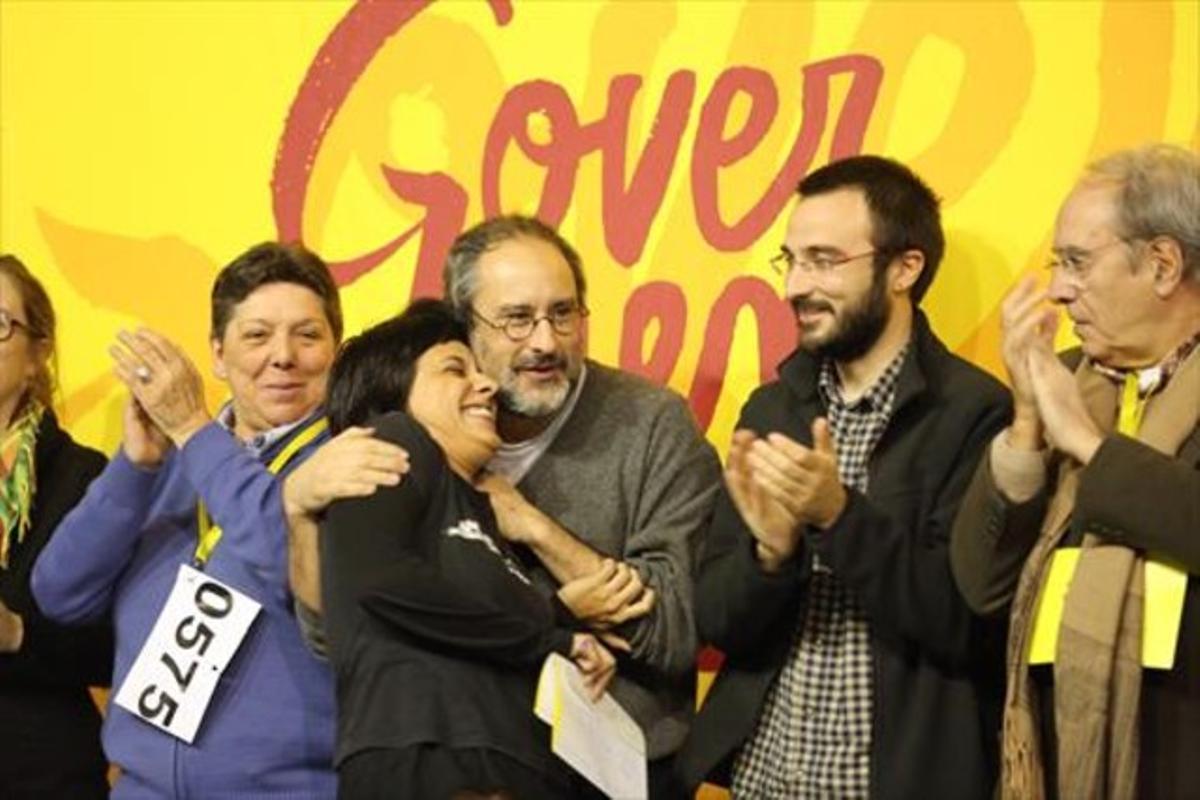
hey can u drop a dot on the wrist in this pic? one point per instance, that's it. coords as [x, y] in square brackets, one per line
[180, 434]
[1083, 445]
[532, 529]
[834, 512]
[143, 460]
[292, 508]
[769, 559]
[1025, 432]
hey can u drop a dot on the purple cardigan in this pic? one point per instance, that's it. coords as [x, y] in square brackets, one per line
[269, 730]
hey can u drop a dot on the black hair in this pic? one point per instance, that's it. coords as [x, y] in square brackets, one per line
[904, 210]
[272, 262]
[373, 372]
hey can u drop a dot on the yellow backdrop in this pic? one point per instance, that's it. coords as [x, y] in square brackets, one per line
[142, 145]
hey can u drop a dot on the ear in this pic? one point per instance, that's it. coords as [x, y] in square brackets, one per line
[40, 352]
[1165, 258]
[218, 357]
[904, 271]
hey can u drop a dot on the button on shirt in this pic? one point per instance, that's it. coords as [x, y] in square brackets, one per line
[814, 734]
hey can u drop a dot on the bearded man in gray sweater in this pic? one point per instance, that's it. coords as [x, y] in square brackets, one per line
[603, 478]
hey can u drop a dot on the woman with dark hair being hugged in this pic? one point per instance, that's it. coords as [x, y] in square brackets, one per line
[49, 726]
[435, 632]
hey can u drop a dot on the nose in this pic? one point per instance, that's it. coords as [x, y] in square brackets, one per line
[1062, 289]
[798, 283]
[483, 384]
[543, 337]
[283, 351]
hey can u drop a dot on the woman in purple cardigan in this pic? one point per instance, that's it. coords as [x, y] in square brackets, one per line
[211, 698]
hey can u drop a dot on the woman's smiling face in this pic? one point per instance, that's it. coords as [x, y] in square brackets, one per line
[456, 402]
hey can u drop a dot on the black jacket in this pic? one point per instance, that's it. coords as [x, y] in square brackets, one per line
[49, 726]
[938, 669]
[435, 634]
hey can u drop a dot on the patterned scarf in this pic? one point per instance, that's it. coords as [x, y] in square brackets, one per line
[18, 478]
[1097, 669]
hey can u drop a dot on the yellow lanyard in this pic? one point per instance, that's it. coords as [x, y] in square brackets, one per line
[1133, 407]
[210, 534]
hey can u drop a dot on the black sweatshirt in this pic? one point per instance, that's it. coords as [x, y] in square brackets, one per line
[435, 633]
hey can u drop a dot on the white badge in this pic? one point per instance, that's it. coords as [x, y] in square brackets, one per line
[196, 636]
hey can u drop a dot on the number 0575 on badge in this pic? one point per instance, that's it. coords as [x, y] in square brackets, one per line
[194, 639]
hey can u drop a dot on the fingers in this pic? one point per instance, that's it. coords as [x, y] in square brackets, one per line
[1024, 298]
[625, 582]
[356, 453]
[823, 437]
[636, 609]
[614, 642]
[595, 663]
[599, 578]
[125, 367]
[576, 594]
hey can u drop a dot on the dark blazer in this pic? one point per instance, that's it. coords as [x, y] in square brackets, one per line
[49, 726]
[1133, 495]
[938, 669]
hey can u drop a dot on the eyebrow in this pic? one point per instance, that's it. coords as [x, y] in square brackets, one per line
[528, 308]
[274, 324]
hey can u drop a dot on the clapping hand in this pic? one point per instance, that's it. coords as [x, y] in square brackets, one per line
[779, 486]
[166, 386]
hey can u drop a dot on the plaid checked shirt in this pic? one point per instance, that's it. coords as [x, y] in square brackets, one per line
[814, 734]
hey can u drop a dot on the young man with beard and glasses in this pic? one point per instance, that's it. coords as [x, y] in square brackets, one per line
[602, 479]
[853, 667]
[1100, 469]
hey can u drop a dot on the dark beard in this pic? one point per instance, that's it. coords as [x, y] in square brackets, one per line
[859, 328]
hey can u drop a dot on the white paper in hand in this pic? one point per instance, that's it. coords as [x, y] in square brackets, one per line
[599, 740]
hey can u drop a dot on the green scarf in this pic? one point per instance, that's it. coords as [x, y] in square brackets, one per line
[18, 478]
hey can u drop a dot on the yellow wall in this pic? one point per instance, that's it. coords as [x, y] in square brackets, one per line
[144, 144]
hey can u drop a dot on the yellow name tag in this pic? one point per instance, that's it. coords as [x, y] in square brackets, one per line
[1162, 614]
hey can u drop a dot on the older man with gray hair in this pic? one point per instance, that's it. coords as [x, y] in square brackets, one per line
[1083, 525]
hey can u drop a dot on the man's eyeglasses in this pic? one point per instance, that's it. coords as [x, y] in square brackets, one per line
[818, 263]
[519, 326]
[9, 325]
[1075, 262]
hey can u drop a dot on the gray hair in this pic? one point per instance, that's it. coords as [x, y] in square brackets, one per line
[459, 275]
[1159, 196]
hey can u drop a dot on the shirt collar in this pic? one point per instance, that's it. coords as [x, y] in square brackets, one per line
[260, 443]
[878, 397]
[1153, 378]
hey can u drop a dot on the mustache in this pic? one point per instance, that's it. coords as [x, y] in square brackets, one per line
[807, 304]
[541, 361]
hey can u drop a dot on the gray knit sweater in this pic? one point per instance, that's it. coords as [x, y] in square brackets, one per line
[631, 475]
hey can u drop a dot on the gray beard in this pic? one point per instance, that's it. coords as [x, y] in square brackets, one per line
[544, 405]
